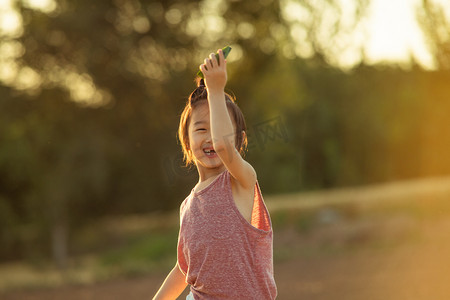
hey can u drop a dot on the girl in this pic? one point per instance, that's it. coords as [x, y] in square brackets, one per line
[225, 239]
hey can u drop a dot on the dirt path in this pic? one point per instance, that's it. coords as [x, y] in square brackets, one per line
[393, 257]
[415, 270]
[418, 270]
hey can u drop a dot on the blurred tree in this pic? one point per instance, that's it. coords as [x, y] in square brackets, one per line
[125, 63]
[435, 24]
[91, 93]
[324, 29]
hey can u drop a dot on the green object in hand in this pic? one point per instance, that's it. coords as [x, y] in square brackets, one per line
[226, 50]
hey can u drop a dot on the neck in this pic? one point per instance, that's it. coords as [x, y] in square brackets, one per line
[206, 173]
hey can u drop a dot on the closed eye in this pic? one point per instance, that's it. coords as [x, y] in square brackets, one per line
[200, 129]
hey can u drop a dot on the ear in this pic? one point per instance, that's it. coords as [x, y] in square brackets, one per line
[188, 143]
[244, 135]
[244, 139]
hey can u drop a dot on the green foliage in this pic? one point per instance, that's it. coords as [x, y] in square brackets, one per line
[141, 254]
[67, 159]
[147, 250]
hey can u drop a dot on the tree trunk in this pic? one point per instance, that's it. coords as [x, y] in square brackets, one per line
[59, 243]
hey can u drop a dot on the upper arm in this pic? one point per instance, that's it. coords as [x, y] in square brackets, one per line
[240, 169]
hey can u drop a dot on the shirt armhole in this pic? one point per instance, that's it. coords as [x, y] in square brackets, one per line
[260, 214]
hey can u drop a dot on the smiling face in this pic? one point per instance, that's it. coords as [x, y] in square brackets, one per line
[195, 139]
[200, 142]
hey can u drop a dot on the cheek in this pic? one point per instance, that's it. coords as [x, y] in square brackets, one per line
[193, 141]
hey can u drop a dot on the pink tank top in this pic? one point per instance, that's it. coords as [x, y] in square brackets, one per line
[221, 254]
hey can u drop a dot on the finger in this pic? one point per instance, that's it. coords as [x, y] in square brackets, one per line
[206, 63]
[214, 62]
[221, 57]
[203, 68]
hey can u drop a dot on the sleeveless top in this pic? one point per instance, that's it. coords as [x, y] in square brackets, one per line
[222, 255]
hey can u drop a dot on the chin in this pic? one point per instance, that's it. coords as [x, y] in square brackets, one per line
[214, 164]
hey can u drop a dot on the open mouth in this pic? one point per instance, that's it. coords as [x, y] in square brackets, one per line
[209, 152]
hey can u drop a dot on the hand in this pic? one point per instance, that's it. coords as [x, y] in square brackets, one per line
[215, 72]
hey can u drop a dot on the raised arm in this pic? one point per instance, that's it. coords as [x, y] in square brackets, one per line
[222, 129]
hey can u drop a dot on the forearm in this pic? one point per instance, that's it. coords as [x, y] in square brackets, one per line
[173, 285]
[222, 134]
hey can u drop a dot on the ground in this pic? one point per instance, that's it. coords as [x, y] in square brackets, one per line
[393, 252]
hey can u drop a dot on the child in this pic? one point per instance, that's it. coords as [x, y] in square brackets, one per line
[225, 239]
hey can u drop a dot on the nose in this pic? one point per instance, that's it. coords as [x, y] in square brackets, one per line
[208, 138]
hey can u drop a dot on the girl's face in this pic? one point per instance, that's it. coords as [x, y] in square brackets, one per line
[200, 142]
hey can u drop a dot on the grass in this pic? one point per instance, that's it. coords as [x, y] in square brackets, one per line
[137, 245]
[140, 255]
[130, 253]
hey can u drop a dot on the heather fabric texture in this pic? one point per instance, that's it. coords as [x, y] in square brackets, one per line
[222, 255]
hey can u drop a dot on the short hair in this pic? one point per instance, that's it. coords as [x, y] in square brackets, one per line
[198, 96]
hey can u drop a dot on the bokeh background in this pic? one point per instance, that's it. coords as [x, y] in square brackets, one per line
[347, 104]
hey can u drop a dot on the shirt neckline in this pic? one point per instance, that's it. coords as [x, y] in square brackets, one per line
[209, 185]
